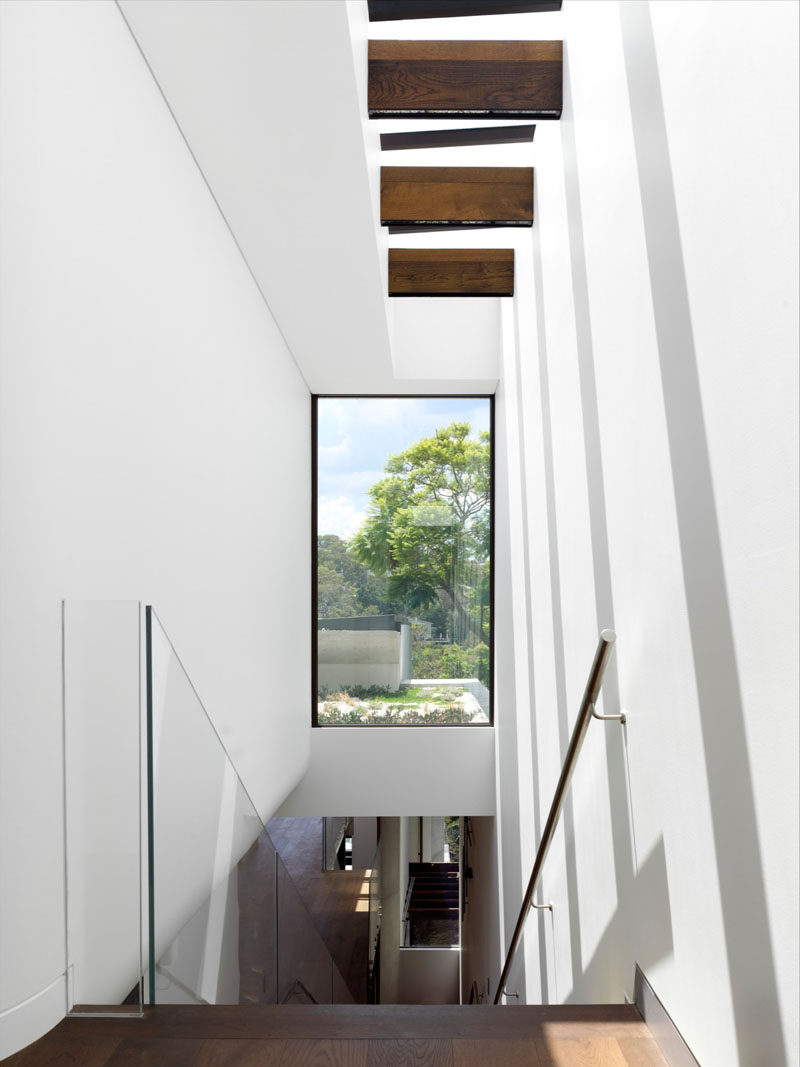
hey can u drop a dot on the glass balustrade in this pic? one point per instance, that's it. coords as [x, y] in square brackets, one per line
[226, 922]
[167, 858]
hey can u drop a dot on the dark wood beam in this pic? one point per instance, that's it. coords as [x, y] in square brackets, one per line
[422, 196]
[480, 79]
[390, 10]
[451, 272]
[477, 135]
[429, 228]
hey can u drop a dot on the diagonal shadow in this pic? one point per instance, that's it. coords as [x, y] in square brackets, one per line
[528, 588]
[651, 915]
[741, 881]
[562, 709]
[621, 830]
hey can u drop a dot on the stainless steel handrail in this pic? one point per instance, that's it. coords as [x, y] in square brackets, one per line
[587, 711]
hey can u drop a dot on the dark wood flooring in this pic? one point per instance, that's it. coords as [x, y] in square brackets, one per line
[338, 901]
[357, 1036]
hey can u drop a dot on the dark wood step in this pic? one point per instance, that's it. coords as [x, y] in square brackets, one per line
[392, 10]
[359, 1036]
[360, 1020]
[451, 272]
[430, 867]
[480, 79]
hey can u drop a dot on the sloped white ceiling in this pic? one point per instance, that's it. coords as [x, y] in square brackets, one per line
[265, 95]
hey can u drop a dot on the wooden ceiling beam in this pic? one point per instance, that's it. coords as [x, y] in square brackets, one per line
[479, 79]
[391, 10]
[460, 196]
[477, 135]
[451, 272]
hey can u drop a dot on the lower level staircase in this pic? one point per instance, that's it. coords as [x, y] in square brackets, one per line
[433, 904]
[353, 1036]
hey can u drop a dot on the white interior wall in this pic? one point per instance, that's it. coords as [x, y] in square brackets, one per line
[428, 976]
[480, 954]
[155, 445]
[657, 438]
[390, 770]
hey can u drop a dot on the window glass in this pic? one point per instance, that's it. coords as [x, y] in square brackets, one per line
[403, 561]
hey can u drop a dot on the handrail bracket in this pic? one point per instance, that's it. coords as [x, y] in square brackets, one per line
[621, 718]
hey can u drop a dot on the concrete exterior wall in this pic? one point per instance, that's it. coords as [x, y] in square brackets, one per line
[361, 657]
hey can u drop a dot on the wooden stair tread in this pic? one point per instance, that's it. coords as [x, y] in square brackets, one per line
[352, 1036]
[365, 1021]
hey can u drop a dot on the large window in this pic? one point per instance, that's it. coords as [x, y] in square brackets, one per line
[402, 561]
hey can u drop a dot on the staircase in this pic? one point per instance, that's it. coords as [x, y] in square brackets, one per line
[433, 904]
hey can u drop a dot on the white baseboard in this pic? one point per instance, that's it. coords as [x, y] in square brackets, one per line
[29, 1020]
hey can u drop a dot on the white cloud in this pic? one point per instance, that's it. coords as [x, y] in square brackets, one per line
[338, 515]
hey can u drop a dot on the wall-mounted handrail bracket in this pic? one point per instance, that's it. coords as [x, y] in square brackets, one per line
[601, 657]
[621, 718]
[507, 994]
[542, 907]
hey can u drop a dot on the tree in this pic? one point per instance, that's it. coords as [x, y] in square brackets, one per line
[427, 528]
[346, 587]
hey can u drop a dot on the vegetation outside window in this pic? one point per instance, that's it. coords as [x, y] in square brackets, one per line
[403, 561]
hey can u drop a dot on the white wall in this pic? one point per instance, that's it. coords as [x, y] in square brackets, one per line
[656, 437]
[480, 958]
[397, 770]
[155, 445]
[428, 976]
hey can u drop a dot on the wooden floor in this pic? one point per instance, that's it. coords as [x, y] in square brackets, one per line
[358, 1036]
[336, 900]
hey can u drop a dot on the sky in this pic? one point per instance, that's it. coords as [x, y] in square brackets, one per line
[355, 437]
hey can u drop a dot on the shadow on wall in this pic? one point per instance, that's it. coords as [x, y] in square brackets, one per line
[651, 918]
[741, 880]
[562, 706]
[621, 830]
[743, 897]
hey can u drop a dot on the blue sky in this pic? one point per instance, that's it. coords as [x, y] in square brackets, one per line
[355, 437]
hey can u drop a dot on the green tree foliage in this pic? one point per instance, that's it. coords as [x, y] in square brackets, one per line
[450, 661]
[346, 587]
[427, 530]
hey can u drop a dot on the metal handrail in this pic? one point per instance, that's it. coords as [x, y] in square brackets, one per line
[587, 711]
[406, 906]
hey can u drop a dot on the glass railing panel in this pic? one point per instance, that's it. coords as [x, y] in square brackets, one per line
[374, 928]
[334, 832]
[102, 735]
[304, 963]
[203, 824]
[226, 923]
[258, 941]
[341, 992]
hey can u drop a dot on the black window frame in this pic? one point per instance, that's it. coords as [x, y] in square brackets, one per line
[315, 397]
